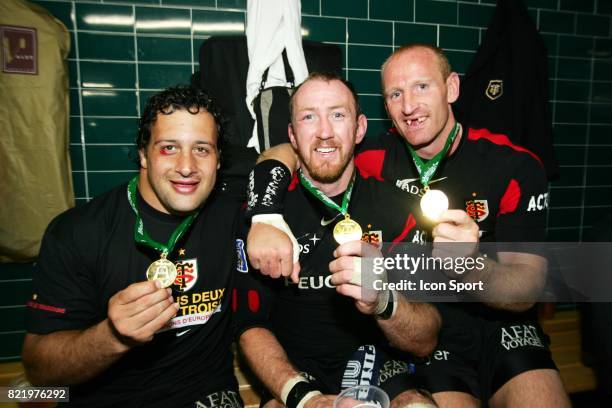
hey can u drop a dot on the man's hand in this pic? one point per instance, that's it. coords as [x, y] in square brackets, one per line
[321, 401]
[271, 251]
[318, 401]
[140, 310]
[347, 274]
[456, 235]
[72, 357]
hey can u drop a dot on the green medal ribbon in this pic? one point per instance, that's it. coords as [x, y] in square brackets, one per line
[141, 236]
[325, 199]
[428, 169]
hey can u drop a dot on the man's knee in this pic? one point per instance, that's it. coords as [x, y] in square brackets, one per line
[413, 399]
[541, 388]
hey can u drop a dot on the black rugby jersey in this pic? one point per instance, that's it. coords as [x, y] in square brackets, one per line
[318, 327]
[502, 186]
[88, 254]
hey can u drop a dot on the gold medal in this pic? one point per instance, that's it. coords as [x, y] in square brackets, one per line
[347, 230]
[162, 270]
[433, 204]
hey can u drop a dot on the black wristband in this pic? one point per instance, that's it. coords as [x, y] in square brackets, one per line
[267, 184]
[298, 392]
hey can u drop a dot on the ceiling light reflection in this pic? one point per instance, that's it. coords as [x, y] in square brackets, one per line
[159, 24]
[108, 19]
[219, 27]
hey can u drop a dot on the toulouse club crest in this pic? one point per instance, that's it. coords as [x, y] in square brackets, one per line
[187, 274]
[495, 89]
[477, 209]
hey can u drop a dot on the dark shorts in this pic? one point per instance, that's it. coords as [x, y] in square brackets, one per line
[384, 367]
[478, 355]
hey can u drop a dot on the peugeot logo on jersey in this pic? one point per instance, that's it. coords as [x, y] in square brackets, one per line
[312, 282]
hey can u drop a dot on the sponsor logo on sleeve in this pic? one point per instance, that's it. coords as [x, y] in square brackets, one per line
[538, 202]
[242, 264]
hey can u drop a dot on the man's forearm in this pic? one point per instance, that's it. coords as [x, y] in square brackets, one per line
[72, 356]
[267, 359]
[283, 153]
[510, 284]
[414, 327]
[514, 288]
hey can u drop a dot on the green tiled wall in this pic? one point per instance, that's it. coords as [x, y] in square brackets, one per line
[125, 50]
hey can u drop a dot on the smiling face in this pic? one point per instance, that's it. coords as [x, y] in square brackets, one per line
[179, 164]
[324, 130]
[418, 97]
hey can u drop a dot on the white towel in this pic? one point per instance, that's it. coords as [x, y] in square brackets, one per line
[272, 25]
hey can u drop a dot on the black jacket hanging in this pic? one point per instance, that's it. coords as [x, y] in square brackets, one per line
[506, 87]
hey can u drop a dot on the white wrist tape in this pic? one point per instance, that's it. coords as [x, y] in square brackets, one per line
[383, 296]
[289, 385]
[389, 309]
[394, 297]
[278, 222]
[297, 391]
[307, 397]
[383, 299]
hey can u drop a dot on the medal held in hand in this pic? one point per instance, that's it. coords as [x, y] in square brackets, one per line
[433, 202]
[347, 229]
[161, 270]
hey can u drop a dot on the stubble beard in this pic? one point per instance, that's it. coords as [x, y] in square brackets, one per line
[324, 173]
